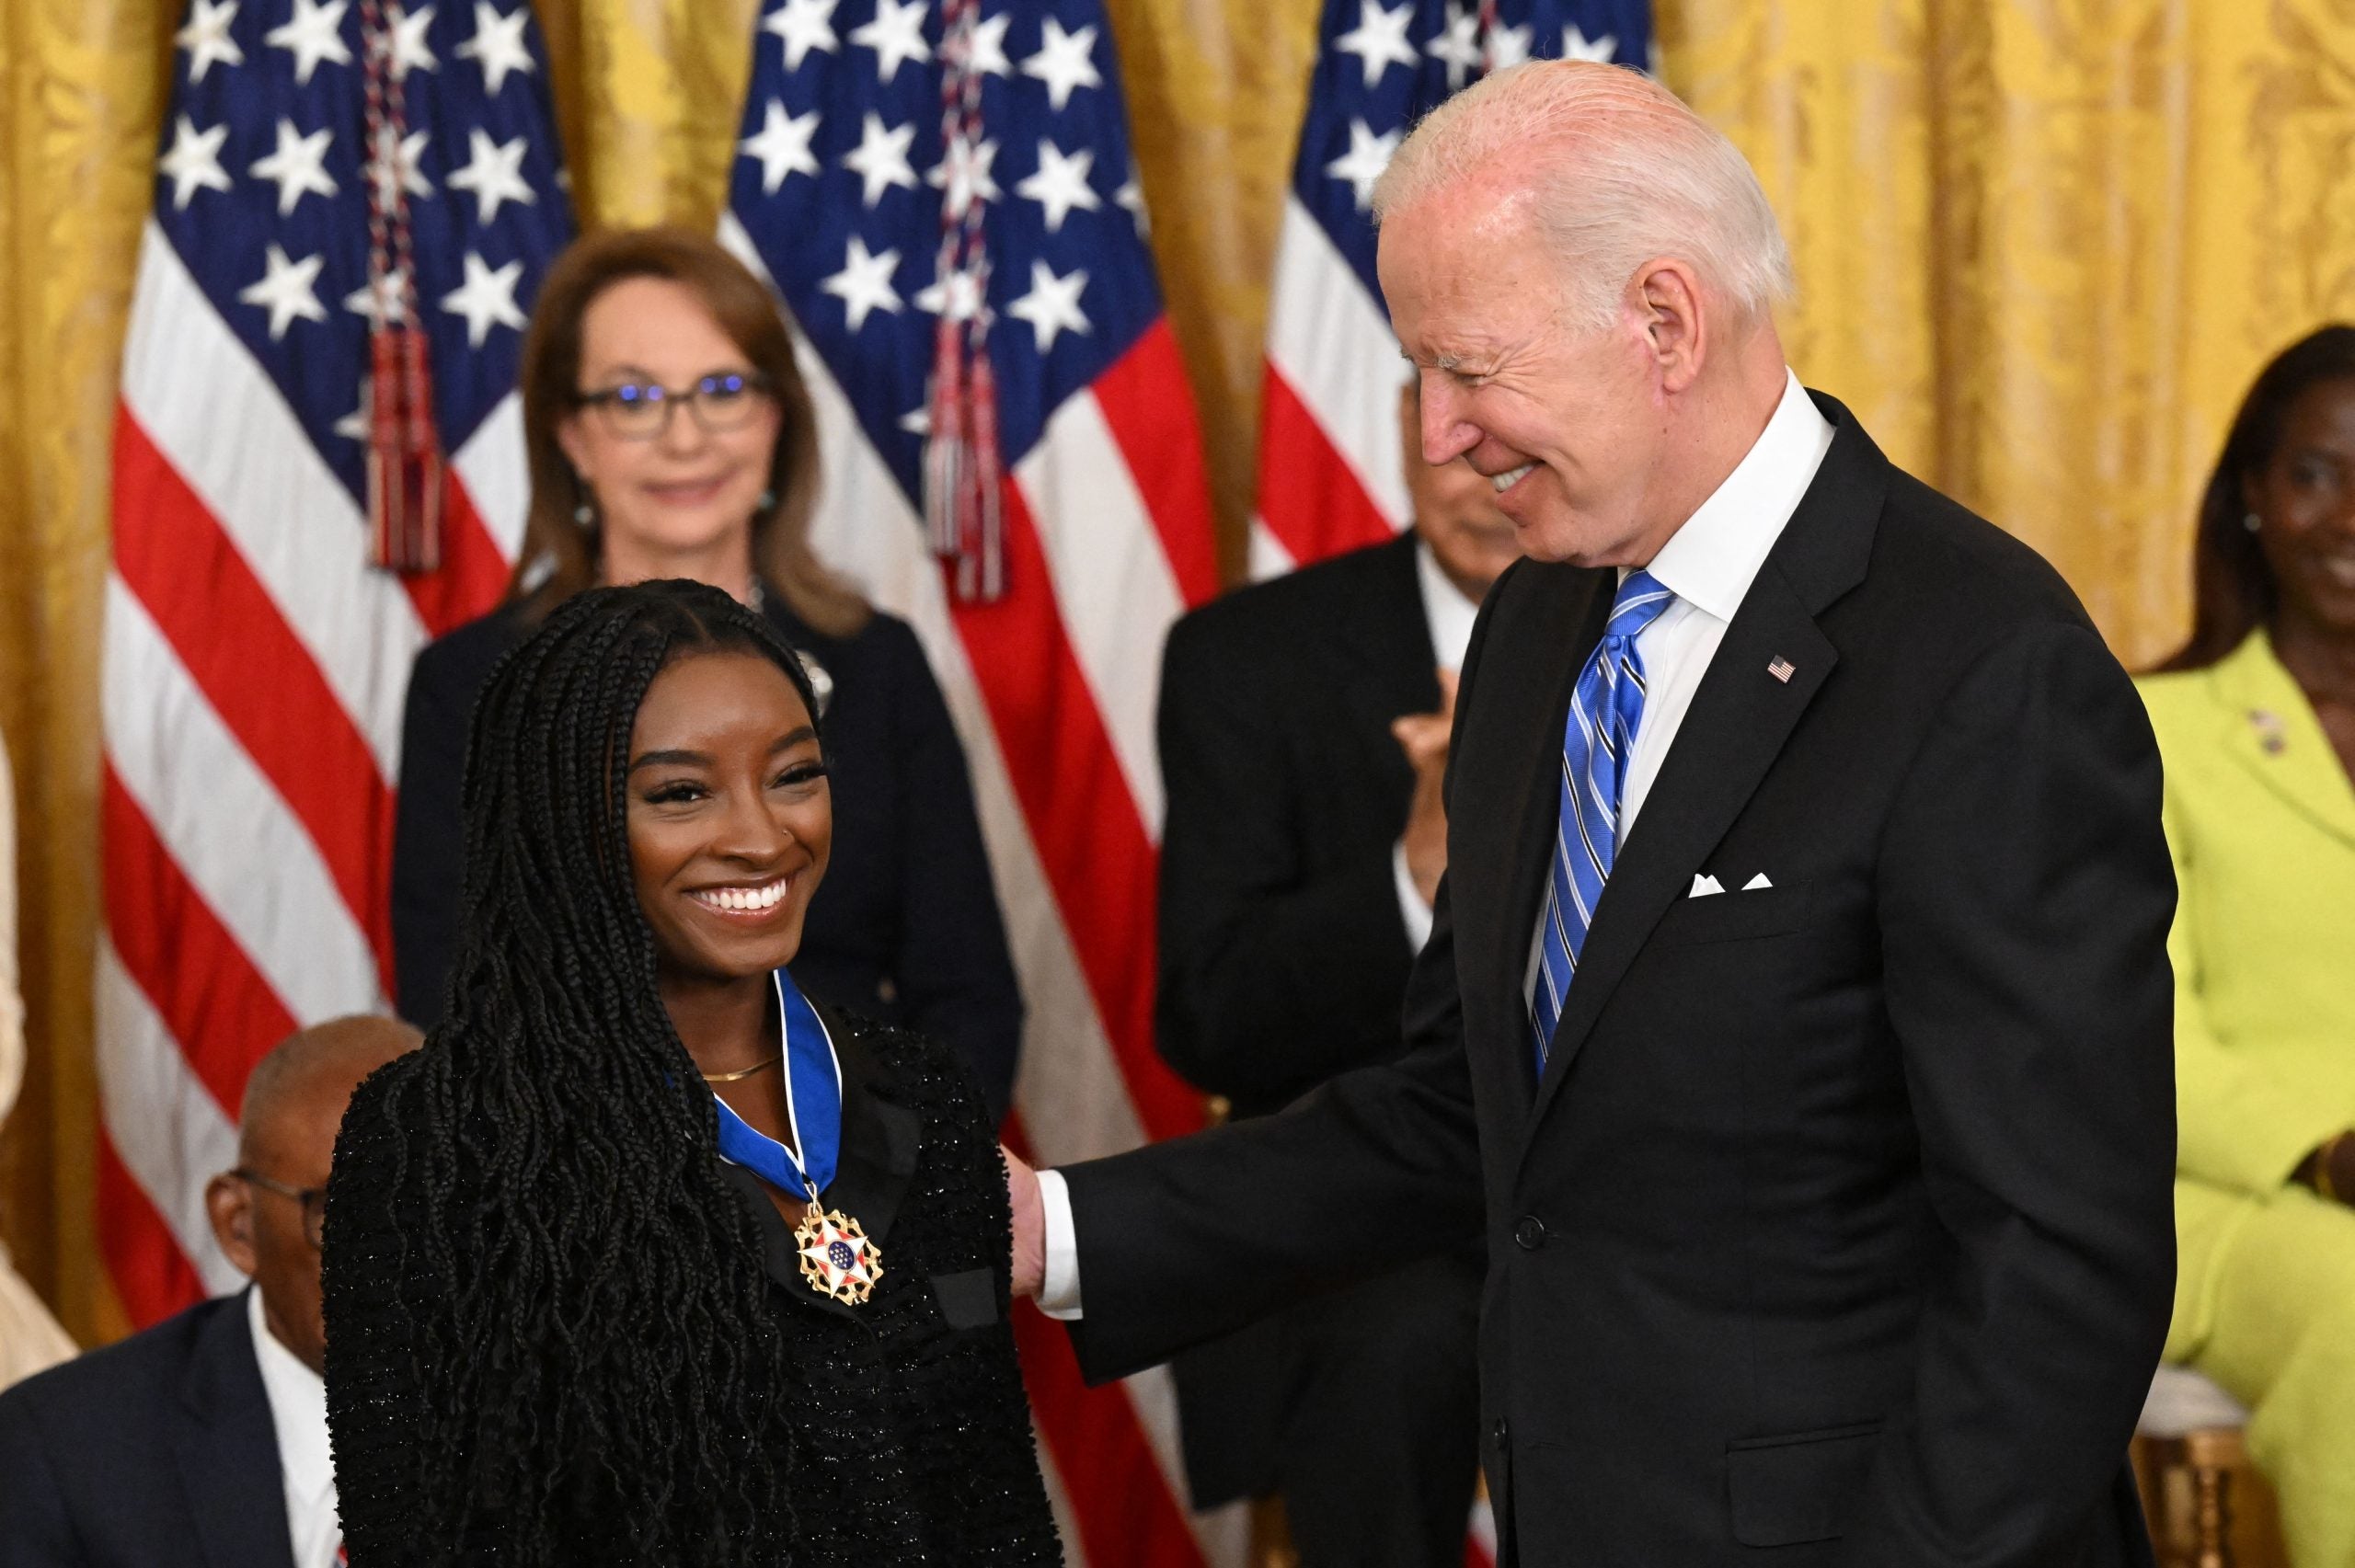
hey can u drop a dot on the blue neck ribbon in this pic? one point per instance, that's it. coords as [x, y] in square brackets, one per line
[813, 1103]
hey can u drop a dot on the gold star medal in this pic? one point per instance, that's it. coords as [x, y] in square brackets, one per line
[836, 1257]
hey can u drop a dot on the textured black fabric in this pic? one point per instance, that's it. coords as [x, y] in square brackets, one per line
[906, 927]
[1841, 1226]
[158, 1450]
[908, 1438]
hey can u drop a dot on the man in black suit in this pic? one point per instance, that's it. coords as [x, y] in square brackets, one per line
[1829, 1218]
[203, 1442]
[1302, 756]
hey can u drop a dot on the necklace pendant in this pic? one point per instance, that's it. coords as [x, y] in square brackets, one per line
[836, 1257]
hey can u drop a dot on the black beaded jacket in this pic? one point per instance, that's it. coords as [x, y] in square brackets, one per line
[913, 1443]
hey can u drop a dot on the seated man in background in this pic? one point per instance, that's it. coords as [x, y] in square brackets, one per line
[1304, 731]
[203, 1442]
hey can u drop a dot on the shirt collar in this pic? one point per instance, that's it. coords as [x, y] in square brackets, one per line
[1710, 562]
[298, 1407]
[1447, 611]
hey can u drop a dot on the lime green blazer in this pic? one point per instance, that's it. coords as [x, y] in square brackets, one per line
[2260, 818]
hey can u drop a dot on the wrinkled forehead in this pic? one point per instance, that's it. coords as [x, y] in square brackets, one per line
[1464, 270]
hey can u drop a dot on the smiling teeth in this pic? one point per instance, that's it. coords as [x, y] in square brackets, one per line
[1504, 482]
[745, 900]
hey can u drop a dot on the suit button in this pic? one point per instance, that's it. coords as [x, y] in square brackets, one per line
[1504, 1433]
[1530, 1233]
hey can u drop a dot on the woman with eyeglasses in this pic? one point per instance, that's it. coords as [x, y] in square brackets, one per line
[670, 435]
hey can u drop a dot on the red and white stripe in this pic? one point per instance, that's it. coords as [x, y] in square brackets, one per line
[254, 672]
[1329, 460]
[1109, 540]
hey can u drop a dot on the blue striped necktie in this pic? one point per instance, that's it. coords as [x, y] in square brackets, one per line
[1605, 709]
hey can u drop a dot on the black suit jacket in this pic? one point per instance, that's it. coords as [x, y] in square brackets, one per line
[907, 1431]
[904, 929]
[1840, 1224]
[1283, 954]
[157, 1452]
[1284, 957]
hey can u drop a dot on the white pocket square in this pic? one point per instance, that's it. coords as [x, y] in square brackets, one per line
[1755, 882]
[1704, 886]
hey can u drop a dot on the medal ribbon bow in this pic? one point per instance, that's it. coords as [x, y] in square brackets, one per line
[814, 1083]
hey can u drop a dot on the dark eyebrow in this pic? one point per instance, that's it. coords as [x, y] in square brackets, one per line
[671, 758]
[698, 760]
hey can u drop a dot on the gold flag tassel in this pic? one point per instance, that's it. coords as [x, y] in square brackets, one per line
[404, 476]
[964, 473]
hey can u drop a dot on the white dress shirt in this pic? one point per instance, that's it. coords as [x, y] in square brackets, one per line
[1449, 612]
[1709, 564]
[298, 1410]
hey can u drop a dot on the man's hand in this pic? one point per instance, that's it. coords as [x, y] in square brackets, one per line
[1029, 1225]
[1423, 736]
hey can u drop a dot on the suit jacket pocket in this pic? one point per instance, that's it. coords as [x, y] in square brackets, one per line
[1798, 1487]
[968, 1298]
[1733, 915]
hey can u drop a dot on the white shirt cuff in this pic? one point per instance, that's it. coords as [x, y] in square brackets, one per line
[1411, 908]
[1059, 1291]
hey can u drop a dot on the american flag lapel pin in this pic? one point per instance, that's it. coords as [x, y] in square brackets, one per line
[1782, 670]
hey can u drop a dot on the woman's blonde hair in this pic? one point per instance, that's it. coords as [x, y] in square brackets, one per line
[559, 555]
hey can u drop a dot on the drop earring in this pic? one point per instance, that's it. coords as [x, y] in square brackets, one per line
[2252, 523]
[766, 503]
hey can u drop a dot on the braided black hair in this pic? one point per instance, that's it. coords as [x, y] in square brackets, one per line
[604, 1351]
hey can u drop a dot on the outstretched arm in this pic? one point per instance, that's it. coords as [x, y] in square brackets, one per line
[1185, 1241]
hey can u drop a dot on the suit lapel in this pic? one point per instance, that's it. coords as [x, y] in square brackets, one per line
[1389, 641]
[1739, 717]
[226, 1445]
[2273, 733]
[879, 1143]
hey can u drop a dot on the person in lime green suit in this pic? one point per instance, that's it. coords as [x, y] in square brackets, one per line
[2256, 721]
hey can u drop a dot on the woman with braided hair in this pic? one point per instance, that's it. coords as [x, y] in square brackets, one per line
[644, 1258]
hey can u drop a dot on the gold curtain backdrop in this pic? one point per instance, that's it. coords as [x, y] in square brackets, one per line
[2042, 246]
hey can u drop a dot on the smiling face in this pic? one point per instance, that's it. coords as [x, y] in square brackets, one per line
[688, 492]
[729, 816]
[1567, 423]
[2304, 501]
[1455, 510]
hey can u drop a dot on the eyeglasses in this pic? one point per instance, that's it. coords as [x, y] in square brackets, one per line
[313, 1199]
[639, 410]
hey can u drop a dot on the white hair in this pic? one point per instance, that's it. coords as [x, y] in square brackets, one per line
[1619, 172]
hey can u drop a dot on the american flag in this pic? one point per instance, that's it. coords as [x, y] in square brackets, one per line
[254, 662]
[849, 162]
[1330, 474]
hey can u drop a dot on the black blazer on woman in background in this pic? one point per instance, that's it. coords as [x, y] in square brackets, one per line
[906, 927]
[904, 1415]
[1838, 1229]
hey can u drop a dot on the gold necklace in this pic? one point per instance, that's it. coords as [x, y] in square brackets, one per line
[744, 1072]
